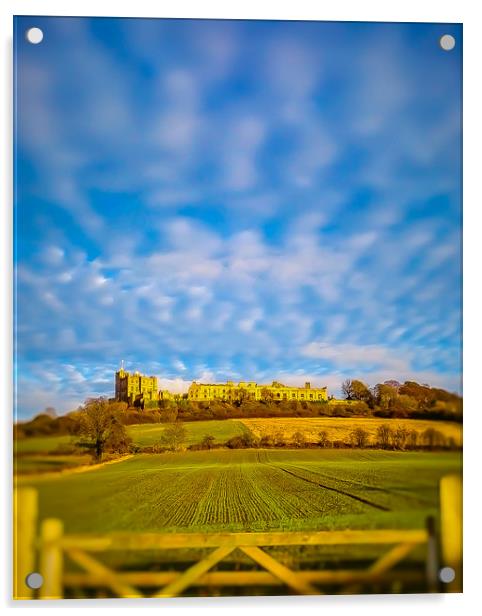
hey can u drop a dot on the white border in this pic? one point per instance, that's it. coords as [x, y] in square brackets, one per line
[343, 10]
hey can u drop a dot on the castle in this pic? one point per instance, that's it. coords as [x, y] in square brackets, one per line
[231, 392]
[135, 388]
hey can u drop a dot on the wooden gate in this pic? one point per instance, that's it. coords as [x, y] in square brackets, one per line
[49, 552]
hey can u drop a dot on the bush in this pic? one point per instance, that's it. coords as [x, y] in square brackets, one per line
[241, 441]
[66, 449]
[208, 442]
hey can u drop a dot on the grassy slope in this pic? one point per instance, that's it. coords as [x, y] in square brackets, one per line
[337, 428]
[251, 490]
[150, 434]
[142, 434]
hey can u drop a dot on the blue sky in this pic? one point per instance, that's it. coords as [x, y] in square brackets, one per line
[219, 200]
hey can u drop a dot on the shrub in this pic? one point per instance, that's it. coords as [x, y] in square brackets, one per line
[207, 442]
[66, 449]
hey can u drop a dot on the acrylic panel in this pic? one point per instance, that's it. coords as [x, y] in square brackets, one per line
[237, 307]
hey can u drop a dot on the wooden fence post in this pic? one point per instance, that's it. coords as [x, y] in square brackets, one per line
[51, 559]
[25, 508]
[432, 564]
[451, 528]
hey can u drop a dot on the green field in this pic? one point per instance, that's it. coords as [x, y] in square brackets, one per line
[142, 434]
[150, 434]
[250, 490]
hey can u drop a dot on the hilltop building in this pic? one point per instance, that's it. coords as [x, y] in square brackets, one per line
[132, 387]
[230, 392]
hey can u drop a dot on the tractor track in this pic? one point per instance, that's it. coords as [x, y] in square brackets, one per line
[338, 491]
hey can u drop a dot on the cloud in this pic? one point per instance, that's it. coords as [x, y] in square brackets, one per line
[352, 356]
[236, 199]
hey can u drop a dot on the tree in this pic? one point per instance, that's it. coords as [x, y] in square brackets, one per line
[266, 395]
[359, 391]
[432, 438]
[412, 439]
[384, 436]
[100, 425]
[359, 437]
[174, 436]
[241, 395]
[323, 440]
[399, 437]
[279, 439]
[347, 389]
[299, 439]
[385, 394]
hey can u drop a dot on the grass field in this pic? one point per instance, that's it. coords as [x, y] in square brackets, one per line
[142, 434]
[339, 428]
[250, 490]
[150, 434]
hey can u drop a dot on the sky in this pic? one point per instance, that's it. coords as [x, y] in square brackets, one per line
[245, 200]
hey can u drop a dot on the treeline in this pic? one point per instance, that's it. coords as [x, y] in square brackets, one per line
[389, 400]
[410, 399]
[395, 439]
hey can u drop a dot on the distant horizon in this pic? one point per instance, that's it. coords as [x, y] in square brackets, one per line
[216, 198]
[183, 385]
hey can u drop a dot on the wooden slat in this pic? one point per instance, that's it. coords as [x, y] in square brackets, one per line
[105, 576]
[289, 577]
[25, 502]
[391, 558]
[240, 578]
[51, 559]
[193, 573]
[451, 528]
[161, 541]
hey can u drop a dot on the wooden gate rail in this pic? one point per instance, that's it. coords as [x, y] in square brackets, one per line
[53, 547]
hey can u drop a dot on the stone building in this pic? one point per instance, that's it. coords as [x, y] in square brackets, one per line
[130, 387]
[231, 392]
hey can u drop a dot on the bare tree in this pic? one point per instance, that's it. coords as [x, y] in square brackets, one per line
[359, 437]
[400, 437]
[347, 389]
[323, 440]
[384, 436]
